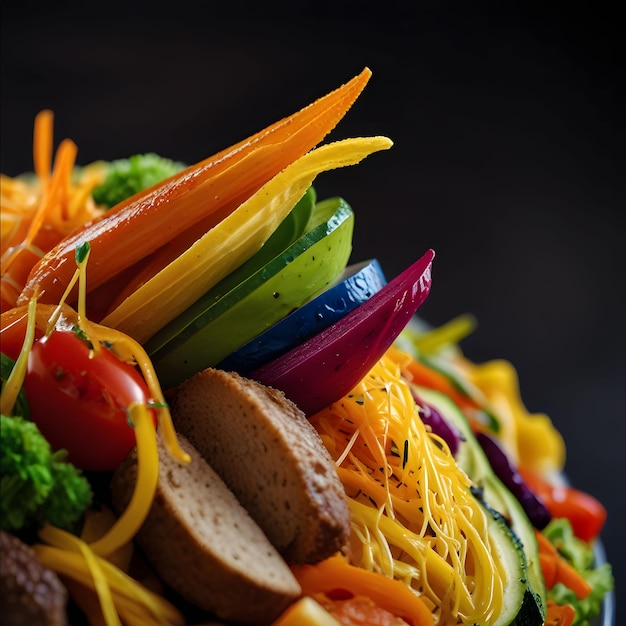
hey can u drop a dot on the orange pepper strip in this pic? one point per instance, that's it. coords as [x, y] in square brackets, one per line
[559, 614]
[143, 223]
[336, 573]
[556, 569]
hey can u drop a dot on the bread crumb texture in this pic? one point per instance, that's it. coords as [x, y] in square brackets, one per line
[264, 448]
[205, 545]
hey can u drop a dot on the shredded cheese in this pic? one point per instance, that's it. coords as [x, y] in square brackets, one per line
[412, 513]
[147, 477]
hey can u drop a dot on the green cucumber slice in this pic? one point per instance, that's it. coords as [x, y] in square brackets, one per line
[218, 325]
[355, 285]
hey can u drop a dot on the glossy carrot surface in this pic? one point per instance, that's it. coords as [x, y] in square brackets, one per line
[142, 224]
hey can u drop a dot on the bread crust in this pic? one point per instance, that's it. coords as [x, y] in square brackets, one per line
[204, 545]
[271, 457]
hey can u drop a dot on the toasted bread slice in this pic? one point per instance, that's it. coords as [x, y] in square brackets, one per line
[204, 545]
[271, 457]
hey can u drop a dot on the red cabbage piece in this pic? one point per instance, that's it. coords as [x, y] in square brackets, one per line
[504, 469]
[438, 423]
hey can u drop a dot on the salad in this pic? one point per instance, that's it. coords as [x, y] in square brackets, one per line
[179, 342]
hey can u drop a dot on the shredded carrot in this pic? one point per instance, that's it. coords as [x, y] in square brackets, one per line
[43, 141]
[556, 569]
[38, 213]
[421, 374]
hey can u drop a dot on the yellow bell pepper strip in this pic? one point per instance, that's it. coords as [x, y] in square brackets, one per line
[144, 222]
[442, 337]
[533, 437]
[336, 573]
[233, 241]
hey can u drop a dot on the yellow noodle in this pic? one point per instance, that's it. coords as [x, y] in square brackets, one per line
[413, 515]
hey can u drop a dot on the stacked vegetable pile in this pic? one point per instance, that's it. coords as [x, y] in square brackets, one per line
[123, 279]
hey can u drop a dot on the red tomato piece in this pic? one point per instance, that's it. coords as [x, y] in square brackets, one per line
[79, 400]
[585, 513]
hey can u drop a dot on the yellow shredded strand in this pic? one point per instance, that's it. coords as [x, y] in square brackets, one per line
[96, 524]
[147, 477]
[413, 515]
[67, 541]
[126, 347]
[13, 384]
[129, 596]
[448, 334]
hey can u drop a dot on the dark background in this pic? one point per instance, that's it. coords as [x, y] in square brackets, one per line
[508, 130]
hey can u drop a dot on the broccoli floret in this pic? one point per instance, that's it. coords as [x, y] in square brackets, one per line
[126, 177]
[37, 485]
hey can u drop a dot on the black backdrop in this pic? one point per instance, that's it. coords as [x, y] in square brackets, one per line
[507, 125]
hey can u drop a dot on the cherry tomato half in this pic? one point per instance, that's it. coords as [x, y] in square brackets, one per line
[79, 399]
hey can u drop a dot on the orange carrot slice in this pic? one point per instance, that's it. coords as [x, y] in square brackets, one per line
[335, 573]
[559, 614]
[215, 186]
[556, 569]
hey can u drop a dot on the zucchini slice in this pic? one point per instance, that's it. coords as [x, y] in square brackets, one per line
[526, 596]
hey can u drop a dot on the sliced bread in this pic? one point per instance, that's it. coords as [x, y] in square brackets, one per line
[271, 457]
[204, 545]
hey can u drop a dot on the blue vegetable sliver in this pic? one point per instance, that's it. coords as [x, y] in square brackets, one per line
[537, 512]
[358, 283]
[438, 424]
